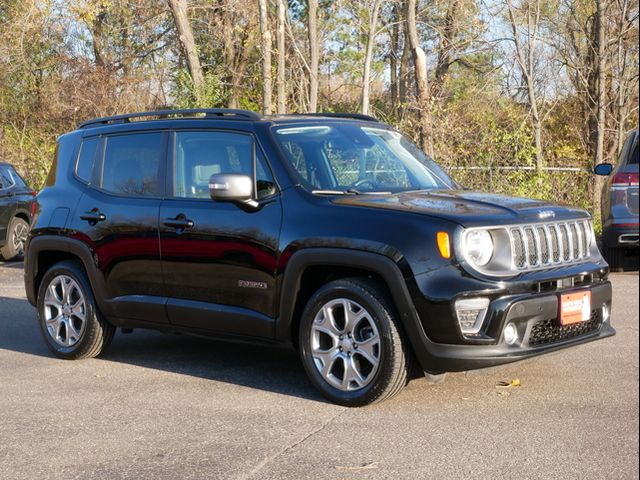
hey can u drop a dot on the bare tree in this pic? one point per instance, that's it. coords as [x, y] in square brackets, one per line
[394, 35]
[525, 59]
[314, 54]
[179, 11]
[445, 49]
[624, 70]
[421, 79]
[282, 56]
[599, 41]
[265, 44]
[366, 76]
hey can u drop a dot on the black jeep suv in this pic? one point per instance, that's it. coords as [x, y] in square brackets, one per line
[16, 202]
[330, 233]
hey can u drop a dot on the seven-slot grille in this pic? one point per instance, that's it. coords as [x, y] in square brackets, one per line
[548, 244]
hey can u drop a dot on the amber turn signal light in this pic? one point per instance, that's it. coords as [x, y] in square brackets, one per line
[444, 245]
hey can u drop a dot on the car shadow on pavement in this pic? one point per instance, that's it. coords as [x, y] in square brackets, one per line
[13, 264]
[253, 366]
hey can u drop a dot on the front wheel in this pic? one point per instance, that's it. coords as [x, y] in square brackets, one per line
[352, 345]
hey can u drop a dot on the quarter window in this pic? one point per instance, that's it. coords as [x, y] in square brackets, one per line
[131, 164]
[86, 158]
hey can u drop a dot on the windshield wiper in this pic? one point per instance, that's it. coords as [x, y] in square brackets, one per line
[328, 192]
[350, 191]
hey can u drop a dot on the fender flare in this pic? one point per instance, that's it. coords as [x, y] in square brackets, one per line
[52, 243]
[376, 263]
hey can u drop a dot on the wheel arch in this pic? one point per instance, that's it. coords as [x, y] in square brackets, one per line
[310, 268]
[45, 251]
[24, 215]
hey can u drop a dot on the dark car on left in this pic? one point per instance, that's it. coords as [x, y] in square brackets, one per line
[16, 202]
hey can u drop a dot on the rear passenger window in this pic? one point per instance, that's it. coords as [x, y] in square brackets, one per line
[87, 156]
[131, 164]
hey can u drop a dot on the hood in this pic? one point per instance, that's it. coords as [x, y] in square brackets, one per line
[469, 209]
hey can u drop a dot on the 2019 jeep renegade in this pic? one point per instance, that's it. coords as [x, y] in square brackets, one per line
[331, 233]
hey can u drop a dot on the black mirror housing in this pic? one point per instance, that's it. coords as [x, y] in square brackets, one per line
[603, 169]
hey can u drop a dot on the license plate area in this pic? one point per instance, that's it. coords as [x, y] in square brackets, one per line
[575, 307]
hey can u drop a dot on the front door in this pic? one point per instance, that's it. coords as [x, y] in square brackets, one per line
[219, 259]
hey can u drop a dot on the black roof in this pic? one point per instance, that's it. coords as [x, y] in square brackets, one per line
[216, 114]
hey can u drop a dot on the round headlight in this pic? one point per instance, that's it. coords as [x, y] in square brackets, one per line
[479, 247]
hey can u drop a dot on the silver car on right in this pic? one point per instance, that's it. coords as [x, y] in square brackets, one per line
[620, 204]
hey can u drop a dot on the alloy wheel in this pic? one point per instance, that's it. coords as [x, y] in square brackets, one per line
[345, 344]
[64, 311]
[20, 232]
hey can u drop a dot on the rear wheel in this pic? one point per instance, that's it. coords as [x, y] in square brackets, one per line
[615, 258]
[16, 237]
[352, 345]
[70, 322]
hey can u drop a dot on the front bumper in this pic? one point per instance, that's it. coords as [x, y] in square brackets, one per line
[440, 347]
[528, 315]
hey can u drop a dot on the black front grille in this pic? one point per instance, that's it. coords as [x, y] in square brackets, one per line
[550, 331]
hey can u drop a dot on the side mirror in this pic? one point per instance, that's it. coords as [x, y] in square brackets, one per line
[603, 169]
[232, 187]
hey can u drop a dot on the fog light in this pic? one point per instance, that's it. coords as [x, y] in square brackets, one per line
[471, 313]
[606, 313]
[510, 334]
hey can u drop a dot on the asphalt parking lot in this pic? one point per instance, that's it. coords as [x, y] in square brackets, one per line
[161, 406]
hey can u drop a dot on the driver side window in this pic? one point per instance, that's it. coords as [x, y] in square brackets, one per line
[200, 154]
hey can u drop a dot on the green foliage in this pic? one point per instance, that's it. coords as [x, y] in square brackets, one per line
[211, 95]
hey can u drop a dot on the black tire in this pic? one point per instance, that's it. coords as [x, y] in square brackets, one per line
[615, 258]
[11, 251]
[97, 333]
[395, 358]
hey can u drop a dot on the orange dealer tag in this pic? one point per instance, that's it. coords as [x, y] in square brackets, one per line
[575, 307]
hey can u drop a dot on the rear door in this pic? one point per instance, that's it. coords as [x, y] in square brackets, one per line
[117, 217]
[218, 259]
[7, 201]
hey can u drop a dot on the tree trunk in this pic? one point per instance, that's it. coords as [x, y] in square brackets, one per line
[366, 76]
[404, 70]
[281, 75]
[422, 84]
[314, 55]
[526, 62]
[179, 11]
[393, 58]
[266, 57]
[600, 100]
[446, 47]
[96, 33]
[239, 71]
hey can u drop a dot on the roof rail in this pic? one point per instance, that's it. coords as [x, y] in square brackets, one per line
[209, 113]
[355, 116]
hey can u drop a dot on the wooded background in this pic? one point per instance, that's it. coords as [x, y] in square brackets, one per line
[483, 86]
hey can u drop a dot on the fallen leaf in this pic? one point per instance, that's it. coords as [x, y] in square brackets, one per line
[364, 466]
[512, 383]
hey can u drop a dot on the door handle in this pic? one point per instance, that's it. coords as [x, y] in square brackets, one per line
[179, 223]
[93, 217]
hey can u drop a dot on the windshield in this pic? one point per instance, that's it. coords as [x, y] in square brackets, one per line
[351, 158]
